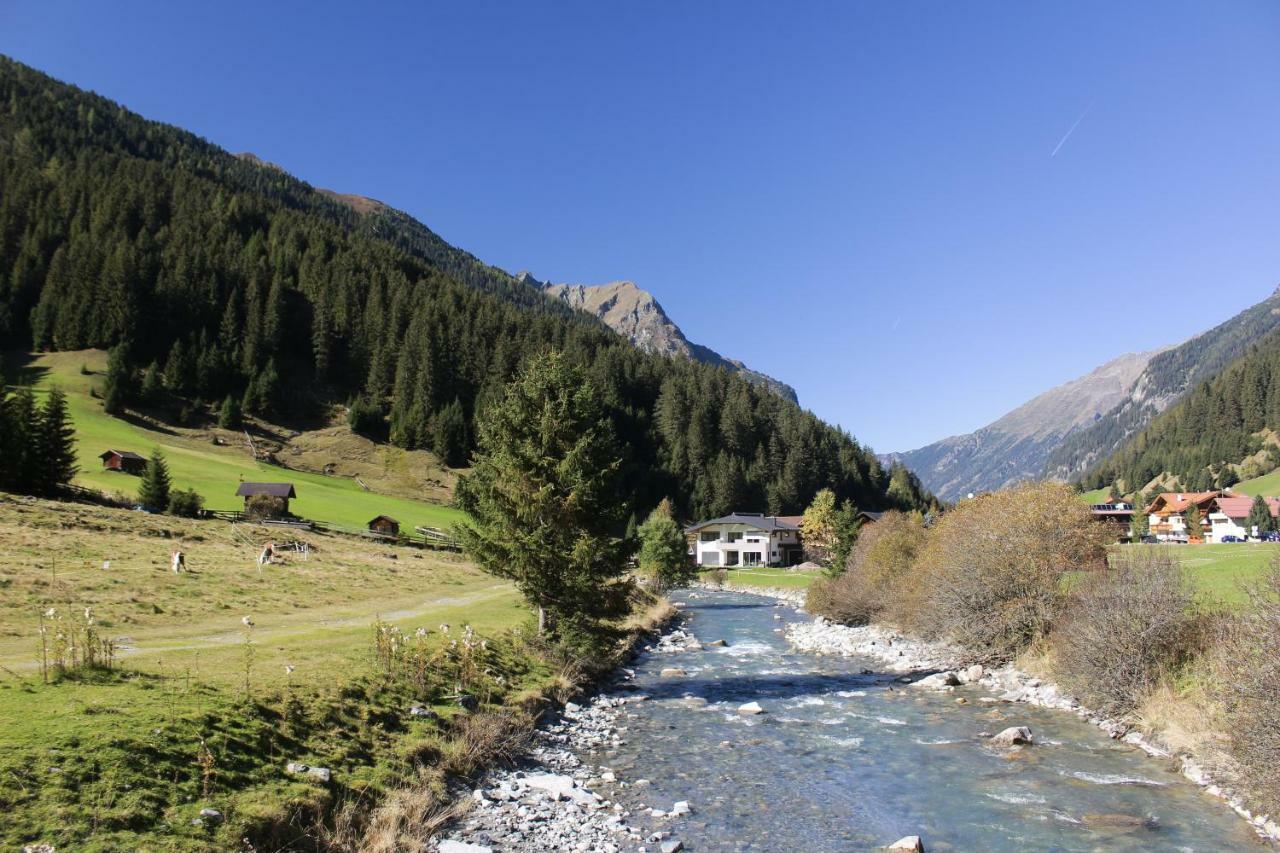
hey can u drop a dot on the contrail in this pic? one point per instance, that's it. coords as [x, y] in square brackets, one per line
[1063, 140]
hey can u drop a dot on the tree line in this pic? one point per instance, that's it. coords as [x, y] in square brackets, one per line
[1202, 439]
[37, 443]
[224, 285]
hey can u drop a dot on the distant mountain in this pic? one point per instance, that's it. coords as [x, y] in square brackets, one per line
[1167, 377]
[637, 316]
[1016, 447]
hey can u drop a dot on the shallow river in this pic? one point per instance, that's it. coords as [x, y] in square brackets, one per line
[843, 760]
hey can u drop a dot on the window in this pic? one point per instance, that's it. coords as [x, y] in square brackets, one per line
[753, 538]
[735, 536]
[751, 558]
[711, 536]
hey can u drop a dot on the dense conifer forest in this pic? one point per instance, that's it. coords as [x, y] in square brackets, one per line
[1202, 439]
[232, 285]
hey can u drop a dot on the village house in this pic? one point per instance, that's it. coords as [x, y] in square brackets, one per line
[1229, 515]
[1165, 514]
[746, 539]
[123, 460]
[1117, 513]
[280, 491]
[386, 525]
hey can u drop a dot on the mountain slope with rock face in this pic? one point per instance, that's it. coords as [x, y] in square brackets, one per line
[637, 316]
[1017, 446]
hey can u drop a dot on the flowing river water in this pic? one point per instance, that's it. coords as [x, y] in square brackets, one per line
[844, 760]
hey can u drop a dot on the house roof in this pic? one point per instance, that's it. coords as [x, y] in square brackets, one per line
[793, 520]
[1178, 502]
[750, 519]
[275, 490]
[377, 518]
[871, 515]
[123, 454]
[1238, 506]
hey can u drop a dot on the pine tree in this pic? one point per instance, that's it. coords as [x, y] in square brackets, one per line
[663, 557]
[449, 435]
[1140, 524]
[24, 418]
[229, 413]
[153, 492]
[117, 386]
[1260, 520]
[55, 445]
[543, 497]
[848, 523]
[1194, 521]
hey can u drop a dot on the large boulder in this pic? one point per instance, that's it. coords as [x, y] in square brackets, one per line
[1013, 736]
[671, 672]
[910, 842]
[750, 709]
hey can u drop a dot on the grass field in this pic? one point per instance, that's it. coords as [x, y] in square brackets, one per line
[766, 577]
[1095, 496]
[1221, 571]
[113, 760]
[195, 462]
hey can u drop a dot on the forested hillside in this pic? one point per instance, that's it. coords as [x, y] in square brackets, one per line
[231, 282]
[1202, 439]
[1168, 376]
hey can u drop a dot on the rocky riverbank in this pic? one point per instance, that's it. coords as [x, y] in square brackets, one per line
[555, 801]
[900, 653]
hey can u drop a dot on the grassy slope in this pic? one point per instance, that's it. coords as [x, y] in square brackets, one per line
[80, 760]
[213, 471]
[1096, 496]
[1267, 484]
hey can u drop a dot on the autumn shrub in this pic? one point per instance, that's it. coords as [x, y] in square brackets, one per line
[185, 502]
[1248, 688]
[992, 570]
[878, 574]
[1124, 628]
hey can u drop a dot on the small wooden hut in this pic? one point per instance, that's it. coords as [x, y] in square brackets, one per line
[123, 460]
[385, 525]
[281, 491]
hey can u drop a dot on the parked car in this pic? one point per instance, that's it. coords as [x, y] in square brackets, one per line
[1230, 538]
[1150, 539]
[1270, 536]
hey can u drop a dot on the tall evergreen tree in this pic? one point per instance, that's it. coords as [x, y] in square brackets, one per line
[1260, 519]
[449, 435]
[153, 491]
[118, 385]
[543, 496]
[55, 445]
[663, 557]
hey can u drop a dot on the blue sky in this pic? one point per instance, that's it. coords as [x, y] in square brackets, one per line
[861, 199]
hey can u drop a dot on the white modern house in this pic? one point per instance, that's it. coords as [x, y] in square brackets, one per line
[1229, 516]
[746, 539]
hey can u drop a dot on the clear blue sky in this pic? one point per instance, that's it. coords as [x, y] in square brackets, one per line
[861, 199]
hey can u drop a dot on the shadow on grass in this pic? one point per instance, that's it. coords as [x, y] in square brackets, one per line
[17, 368]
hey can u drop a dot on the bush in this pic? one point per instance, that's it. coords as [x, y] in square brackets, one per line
[186, 503]
[1125, 627]
[879, 577]
[993, 568]
[1249, 690]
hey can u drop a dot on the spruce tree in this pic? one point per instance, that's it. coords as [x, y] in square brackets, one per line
[1260, 520]
[543, 496]
[663, 557]
[153, 492]
[229, 413]
[117, 387]
[449, 435]
[55, 445]
[1140, 524]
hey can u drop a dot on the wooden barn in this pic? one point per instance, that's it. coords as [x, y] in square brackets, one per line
[282, 491]
[123, 460]
[386, 525]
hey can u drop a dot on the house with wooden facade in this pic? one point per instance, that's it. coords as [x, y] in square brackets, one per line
[385, 524]
[123, 460]
[1165, 515]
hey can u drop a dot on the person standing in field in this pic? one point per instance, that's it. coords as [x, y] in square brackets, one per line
[267, 555]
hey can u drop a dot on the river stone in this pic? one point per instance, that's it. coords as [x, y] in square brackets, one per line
[671, 672]
[717, 644]
[675, 845]
[680, 809]
[1118, 821]
[974, 673]
[910, 842]
[1013, 736]
[750, 708]
[451, 846]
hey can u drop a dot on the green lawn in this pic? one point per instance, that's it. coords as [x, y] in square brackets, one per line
[213, 471]
[766, 577]
[1221, 571]
[1096, 496]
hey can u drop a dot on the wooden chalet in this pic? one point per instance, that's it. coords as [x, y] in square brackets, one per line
[385, 525]
[123, 460]
[1167, 510]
